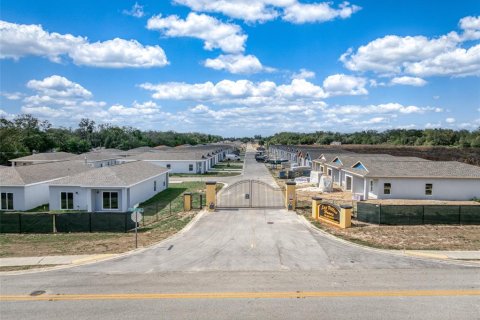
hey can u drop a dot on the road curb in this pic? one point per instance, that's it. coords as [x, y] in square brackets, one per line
[112, 257]
[443, 259]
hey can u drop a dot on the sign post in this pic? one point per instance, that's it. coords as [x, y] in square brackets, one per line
[136, 217]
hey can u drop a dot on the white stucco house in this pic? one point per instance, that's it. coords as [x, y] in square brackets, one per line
[108, 189]
[26, 187]
[413, 179]
[44, 157]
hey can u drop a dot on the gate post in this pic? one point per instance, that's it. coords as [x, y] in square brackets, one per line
[345, 216]
[315, 203]
[290, 196]
[211, 195]
[187, 201]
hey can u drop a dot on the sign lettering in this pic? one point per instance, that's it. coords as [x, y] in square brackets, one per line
[329, 211]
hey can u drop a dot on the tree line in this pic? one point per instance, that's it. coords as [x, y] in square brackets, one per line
[26, 134]
[403, 137]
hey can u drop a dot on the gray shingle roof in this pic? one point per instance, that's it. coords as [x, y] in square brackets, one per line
[24, 175]
[416, 169]
[98, 156]
[122, 175]
[46, 156]
[169, 155]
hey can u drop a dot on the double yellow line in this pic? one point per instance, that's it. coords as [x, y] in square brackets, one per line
[240, 295]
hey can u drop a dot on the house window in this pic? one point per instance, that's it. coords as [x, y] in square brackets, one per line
[428, 189]
[168, 166]
[66, 200]
[371, 185]
[7, 201]
[321, 168]
[154, 185]
[387, 188]
[110, 200]
[329, 172]
[190, 167]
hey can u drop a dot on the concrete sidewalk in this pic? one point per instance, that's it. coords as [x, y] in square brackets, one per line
[52, 260]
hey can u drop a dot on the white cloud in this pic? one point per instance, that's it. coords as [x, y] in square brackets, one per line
[408, 81]
[304, 74]
[266, 10]
[225, 36]
[237, 64]
[11, 95]
[450, 120]
[119, 53]
[137, 109]
[318, 12]
[471, 27]
[379, 109]
[341, 84]
[136, 11]
[239, 92]
[57, 86]
[459, 62]
[419, 55]
[19, 40]
[56, 95]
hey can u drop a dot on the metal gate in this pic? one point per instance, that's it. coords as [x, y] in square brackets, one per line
[250, 194]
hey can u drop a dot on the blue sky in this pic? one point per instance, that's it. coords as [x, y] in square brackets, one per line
[241, 67]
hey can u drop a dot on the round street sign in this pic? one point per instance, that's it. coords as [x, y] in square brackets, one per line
[136, 217]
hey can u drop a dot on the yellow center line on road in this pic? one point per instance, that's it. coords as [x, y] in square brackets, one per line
[241, 295]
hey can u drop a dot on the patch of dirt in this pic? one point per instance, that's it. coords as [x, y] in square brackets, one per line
[423, 237]
[20, 268]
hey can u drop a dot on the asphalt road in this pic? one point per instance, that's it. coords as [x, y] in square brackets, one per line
[249, 264]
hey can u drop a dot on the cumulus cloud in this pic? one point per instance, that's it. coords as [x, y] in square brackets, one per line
[408, 81]
[450, 120]
[137, 109]
[237, 64]
[240, 91]
[216, 35]
[56, 95]
[266, 10]
[20, 40]
[341, 84]
[380, 109]
[418, 55]
[11, 95]
[318, 12]
[303, 74]
[136, 11]
[57, 86]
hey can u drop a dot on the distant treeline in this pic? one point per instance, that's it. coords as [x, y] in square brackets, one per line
[25, 134]
[427, 137]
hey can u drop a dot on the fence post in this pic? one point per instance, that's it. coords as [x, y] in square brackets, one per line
[423, 215]
[170, 205]
[460, 215]
[156, 210]
[380, 214]
[19, 223]
[54, 224]
[201, 202]
[126, 217]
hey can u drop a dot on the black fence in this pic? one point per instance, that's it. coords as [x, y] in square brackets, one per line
[417, 214]
[65, 222]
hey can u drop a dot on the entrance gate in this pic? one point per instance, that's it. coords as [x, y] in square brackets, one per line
[250, 194]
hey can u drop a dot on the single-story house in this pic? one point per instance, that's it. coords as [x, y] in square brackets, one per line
[44, 157]
[108, 189]
[26, 187]
[176, 162]
[99, 159]
[413, 179]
